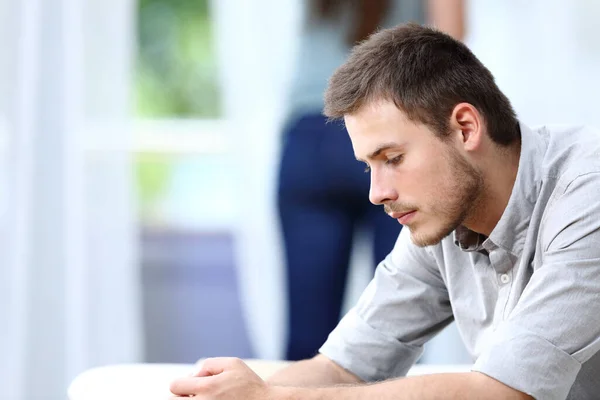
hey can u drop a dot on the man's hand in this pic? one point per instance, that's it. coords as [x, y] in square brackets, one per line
[222, 379]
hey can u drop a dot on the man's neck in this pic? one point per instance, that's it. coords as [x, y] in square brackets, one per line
[500, 175]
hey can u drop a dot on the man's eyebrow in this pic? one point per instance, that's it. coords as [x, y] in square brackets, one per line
[379, 149]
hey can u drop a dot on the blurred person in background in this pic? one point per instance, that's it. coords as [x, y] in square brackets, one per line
[323, 190]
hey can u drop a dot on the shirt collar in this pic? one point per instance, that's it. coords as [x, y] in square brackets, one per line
[468, 240]
[510, 231]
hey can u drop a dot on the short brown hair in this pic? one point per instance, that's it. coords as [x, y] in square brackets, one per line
[426, 73]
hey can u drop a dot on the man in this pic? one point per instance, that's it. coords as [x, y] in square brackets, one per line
[503, 237]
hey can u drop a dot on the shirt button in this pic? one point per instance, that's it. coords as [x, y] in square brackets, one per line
[504, 278]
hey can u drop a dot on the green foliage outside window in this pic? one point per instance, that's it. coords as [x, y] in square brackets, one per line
[176, 71]
[175, 77]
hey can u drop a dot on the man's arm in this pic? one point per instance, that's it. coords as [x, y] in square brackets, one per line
[318, 371]
[229, 378]
[459, 386]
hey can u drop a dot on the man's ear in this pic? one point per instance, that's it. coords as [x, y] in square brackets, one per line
[466, 126]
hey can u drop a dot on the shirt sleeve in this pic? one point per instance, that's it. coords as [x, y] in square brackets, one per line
[405, 304]
[555, 327]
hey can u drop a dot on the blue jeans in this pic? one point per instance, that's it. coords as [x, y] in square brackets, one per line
[322, 197]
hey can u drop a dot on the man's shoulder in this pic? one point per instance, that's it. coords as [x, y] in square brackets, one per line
[572, 182]
[570, 137]
[570, 129]
[573, 151]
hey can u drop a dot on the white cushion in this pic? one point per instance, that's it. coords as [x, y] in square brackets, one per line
[128, 381]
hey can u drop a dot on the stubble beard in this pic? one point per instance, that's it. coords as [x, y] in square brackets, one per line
[460, 200]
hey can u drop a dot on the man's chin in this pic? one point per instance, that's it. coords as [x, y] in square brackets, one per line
[420, 239]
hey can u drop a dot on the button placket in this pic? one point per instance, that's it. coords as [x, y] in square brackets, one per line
[501, 264]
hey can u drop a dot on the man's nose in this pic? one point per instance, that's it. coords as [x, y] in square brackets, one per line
[381, 192]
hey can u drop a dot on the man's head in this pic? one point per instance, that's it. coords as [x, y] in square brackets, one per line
[426, 116]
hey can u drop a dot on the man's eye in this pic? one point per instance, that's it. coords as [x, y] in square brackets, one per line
[396, 160]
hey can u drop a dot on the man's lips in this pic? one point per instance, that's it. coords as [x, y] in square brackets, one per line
[397, 215]
[403, 217]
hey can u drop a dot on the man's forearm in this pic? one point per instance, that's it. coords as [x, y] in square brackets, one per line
[318, 371]
[470, 385]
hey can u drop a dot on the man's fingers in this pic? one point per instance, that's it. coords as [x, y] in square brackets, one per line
[200, 372]
[191, 385]
[201, 381]
[216, 366]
